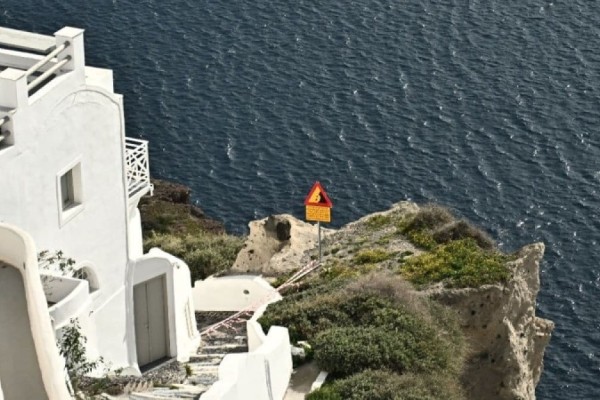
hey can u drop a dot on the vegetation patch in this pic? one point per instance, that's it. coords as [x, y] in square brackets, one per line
[371, 256]
[460, 263]
[378, 222]
[386, 385]
[371, 322]
[205, 253]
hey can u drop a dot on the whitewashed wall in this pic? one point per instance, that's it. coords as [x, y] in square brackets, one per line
[18, 250]
[72, 120]
[232, 293]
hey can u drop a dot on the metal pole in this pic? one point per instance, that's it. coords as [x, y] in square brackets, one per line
[320, 252]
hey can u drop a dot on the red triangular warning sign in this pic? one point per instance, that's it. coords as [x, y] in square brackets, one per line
[317, 197]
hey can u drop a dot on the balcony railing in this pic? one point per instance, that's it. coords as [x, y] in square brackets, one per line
[138, 171]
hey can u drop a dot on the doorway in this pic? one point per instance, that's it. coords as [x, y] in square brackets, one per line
[151, 324]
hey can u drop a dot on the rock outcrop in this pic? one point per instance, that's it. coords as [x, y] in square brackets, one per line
[276, 244]
[506, 339]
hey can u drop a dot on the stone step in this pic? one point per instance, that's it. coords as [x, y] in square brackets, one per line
[207, 359]
[204, 369]
[227, 348]
[191, 388]
[167, 394]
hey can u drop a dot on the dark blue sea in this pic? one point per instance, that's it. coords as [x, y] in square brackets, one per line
[489, 107]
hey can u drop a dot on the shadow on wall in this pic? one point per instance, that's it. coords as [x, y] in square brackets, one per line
[31, 367]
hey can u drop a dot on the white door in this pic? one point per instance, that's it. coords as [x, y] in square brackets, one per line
[151, 327]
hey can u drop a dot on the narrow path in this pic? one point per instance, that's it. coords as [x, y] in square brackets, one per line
[204, 366]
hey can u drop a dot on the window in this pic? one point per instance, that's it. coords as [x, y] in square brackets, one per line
[69, 192]
[66, 190]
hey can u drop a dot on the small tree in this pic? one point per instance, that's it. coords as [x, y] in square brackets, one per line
[72, 347]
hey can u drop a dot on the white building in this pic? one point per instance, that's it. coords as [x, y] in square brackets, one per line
[71, 180]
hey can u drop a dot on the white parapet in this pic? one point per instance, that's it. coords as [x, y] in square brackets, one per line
[13, 88]
[263, 374]
[233, 293]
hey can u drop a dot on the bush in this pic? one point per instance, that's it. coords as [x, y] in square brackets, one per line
[346, 350]
[427, 218]
[458, 230]
[307, 313]
[205, 253]
[371, 256]
[460, 263]
[377, 222]
[385, 385]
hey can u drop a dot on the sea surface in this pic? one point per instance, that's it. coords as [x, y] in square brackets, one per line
[489, 107]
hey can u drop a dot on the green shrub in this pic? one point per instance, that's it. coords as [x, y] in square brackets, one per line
[306, 313]
[460, 263]
[346, 350]
[385, 385]
[377, 222]
[421, 239]
[325, 393]
[427, 218]
[371, 256]
[205, 253]
[458, 230]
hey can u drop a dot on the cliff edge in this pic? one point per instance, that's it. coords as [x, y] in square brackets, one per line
[496, 308]
[506, 339]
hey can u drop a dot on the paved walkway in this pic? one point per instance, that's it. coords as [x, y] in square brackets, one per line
[302, 379]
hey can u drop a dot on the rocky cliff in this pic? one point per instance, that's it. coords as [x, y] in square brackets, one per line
[506, 339]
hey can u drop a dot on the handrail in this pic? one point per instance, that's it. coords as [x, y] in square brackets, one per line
[33, 84]
[47, 59]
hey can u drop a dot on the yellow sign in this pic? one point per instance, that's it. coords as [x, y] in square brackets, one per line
[318, 213]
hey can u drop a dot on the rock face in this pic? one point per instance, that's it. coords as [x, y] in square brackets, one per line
[276, 244]
[169, 210]
[507, 341]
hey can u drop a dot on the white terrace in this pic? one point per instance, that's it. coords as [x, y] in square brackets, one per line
[29, 62]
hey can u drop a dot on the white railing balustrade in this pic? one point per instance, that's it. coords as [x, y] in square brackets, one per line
[36, 67]
[138, 171]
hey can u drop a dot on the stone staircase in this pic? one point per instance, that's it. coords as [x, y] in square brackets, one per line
[202, 368]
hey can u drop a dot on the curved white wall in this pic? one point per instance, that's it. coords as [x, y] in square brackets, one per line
[71, 297]
[263, 374]
[18, 251]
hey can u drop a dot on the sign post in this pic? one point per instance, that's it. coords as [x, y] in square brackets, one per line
[318, 208]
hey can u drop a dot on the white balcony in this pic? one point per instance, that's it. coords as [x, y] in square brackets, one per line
[137, 169]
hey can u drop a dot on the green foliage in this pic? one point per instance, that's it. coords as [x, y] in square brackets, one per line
[371, 256]
[205, 253]
[71, 345]
[370, 323]
[460, 263]
[305, 314]
[343, 351]
[421, 239]
[427, 218]
[386, 385]
[378, 221]
[458, 230]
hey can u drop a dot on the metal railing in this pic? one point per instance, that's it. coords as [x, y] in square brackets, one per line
[137, 165]
[49, 57]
